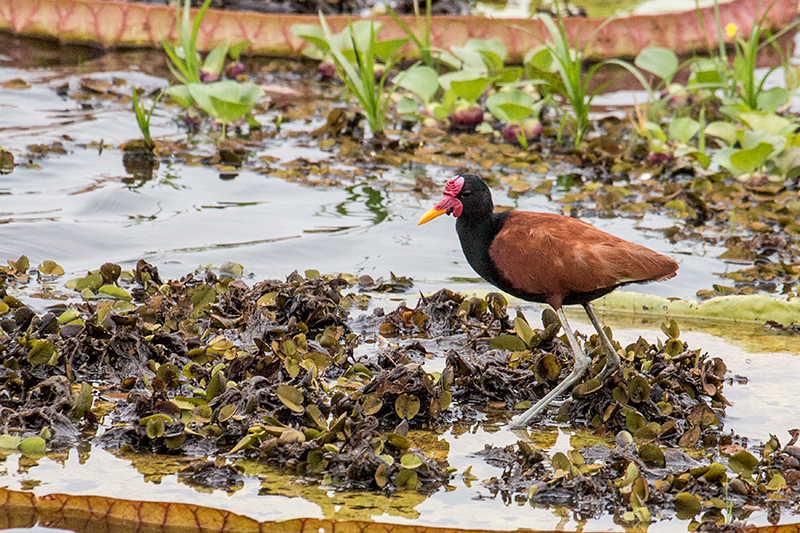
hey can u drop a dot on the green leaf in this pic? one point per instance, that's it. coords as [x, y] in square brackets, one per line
[511, 106]
[116, 292]
[216, 58]
[410, 460]
[291, 397]
[51, 268]
[512, 343]
[407, 406]
[769, 123]
[659, 61]
[420, 80]
[523, 329]
[682, 129]
[687, 505]
[771, 99]
[387, 50]
[723, 130]
[41, 352]
[750, 159]
[33, 446]
[201, 296]
[311, 33]
[9, 441]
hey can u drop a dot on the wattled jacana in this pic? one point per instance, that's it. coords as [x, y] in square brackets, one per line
[547, 258]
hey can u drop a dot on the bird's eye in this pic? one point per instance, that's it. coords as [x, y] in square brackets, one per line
[465, 193]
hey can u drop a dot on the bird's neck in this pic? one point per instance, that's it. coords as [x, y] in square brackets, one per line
[476, 234]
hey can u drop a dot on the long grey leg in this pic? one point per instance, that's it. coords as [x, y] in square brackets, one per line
[581, 364]
[612, 357]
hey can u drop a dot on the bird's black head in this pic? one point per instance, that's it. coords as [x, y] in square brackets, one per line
[464, 196]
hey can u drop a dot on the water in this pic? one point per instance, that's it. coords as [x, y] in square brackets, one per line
[82, 209]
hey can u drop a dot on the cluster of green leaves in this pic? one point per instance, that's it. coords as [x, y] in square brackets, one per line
[225, 100]
[753, 134]
[355, 51]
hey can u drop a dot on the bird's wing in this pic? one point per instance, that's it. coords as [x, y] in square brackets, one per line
[541, 253]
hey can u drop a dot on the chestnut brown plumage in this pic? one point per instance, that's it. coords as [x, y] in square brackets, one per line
[547, 258]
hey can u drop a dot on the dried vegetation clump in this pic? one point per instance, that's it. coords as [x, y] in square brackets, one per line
[208, 364]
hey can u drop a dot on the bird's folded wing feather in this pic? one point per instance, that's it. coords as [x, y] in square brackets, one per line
[553, 254]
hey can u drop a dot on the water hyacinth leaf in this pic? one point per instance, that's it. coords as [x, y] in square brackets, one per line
[466, 84]
[115, 292]
[659, 61]
[216, 386]
[372, 404]
[201, 296]
[407, 106]
[41, 352]
[406, 406]
[267, 299]
[82, 400]
[421, 80]
[689, 438]
[634, 420]
[380, 475]
[683, 128]
[110, 272]
[587, 387]
[9, 441]
[445, 399]
[523, 330]
[387, 49]
[769, 123]
[33, 446]
[92, 282]
[51, 268]
[410, 460]
[743, 463]
[511, 106]
[291, 397]
[311, 33]
[512, 343]
[777, 482]
[561, 462]
[316, 416]
[638, 389]
[407, 478]
[723, 130]
[202, 414]
[173, 442]
[226, 412]
[748, 160]
[687, 505]
[398, 441]
[771, 99]
[652, 455]
[155, 428]
[225, 100]
[671, 329]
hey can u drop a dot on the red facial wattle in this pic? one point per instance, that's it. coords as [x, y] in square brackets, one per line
[450, 204]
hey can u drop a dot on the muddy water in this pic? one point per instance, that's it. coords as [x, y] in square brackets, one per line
[82, 209]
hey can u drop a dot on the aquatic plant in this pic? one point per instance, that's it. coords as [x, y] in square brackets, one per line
[423, 40]
[558, 67]
[354, 52]
[143, 117]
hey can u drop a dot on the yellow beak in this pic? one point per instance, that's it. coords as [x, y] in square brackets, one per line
[430, 215]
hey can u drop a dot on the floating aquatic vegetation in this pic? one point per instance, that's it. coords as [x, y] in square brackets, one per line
[269, 372]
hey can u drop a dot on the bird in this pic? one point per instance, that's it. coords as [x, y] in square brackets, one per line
[547, 258]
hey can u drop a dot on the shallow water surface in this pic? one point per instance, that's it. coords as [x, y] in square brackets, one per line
[82, 208]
